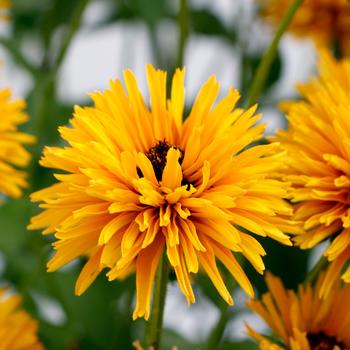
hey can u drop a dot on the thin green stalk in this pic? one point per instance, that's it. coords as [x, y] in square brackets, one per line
[154, 328]
[315, 271]
[12, 48]
[266, 62]
[183, 23]
[216, 334]
[72, 29]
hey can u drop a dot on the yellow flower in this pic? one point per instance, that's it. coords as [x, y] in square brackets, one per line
[138, 181]
[318, 146]
[12, 152]
[4, 6]
[17, 329]
[327, 22]
[303, 321]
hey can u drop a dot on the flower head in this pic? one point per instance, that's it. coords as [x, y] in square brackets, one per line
[18, 331]
[303, 321]
[12, 151]
[138, 181]
[318, 146]
[325, 21]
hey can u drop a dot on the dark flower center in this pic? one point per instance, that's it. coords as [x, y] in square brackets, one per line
[322, 341]
[157, 156]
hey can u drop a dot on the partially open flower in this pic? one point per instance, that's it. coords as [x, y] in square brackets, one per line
[303, 321]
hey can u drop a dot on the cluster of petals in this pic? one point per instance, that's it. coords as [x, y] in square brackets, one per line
[325, 21]
[318, 157]
[12, 151]
[18, 331]
[135, 182]
[303, 321]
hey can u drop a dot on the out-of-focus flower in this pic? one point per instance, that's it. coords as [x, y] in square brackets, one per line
[138, 181]
[318, 158]
[303, 321]
[4, 6]
[325, 21]
[18, 331]
[12, 152]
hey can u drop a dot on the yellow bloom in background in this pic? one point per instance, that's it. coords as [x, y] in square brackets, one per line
[303, 321]
[4, 6]
[12, 152]
[18, 331]
[137, 181]
[327, 22]
[318, 146]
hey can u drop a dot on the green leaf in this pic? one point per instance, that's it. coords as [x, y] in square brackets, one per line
[205, 22]
[239, 345]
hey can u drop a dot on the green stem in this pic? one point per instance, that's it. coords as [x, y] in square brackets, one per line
[216, 334]
[266, 62]
[155, 326]
[315, 271]
[12, 48]
[183, 23]
[72, 29]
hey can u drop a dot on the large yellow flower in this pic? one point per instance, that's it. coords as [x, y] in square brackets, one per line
[18, 331]
[12, 152]
[326, 21]
[318, 146]
[303, 321]
[138, 181]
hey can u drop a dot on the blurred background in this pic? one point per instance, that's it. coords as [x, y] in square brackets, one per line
[53, 53]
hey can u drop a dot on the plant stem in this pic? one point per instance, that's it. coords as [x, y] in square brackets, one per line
[155, 326]
[266, 62]
[315, 271]
[73, 27]
[216, 334]
[183, 24]
[12, 48]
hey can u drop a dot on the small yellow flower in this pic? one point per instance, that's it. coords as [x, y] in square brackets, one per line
[325, 21]
[12, 152]
[303, 321]
[137, 181]
[18, 331]
[318, 158]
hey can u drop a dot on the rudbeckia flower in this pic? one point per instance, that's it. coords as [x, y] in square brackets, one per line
[318, 156]
[303, 321]
[136, 181]
[12, 151]
[18, 331]
[327, 22]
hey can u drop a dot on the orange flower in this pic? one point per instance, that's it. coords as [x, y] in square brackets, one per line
[303, 321]
[325, 21]
[318, 156]
[12, 152]
[18, 331]
[139, 181]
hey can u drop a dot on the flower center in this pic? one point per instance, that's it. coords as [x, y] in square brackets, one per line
[322, 341]
[157, 156]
